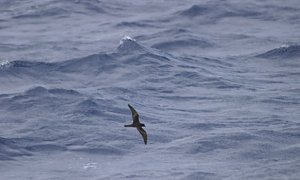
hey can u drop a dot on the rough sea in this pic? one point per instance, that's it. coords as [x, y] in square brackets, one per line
[216, 82]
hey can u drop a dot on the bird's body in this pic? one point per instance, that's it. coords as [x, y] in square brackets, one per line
[136, 123]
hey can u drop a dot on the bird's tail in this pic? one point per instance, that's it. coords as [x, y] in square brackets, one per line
[130, 125]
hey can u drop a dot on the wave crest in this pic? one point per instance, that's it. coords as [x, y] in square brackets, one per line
[286, 52]
[128, 44]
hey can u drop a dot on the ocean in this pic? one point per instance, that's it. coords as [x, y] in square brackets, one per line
[216, 82]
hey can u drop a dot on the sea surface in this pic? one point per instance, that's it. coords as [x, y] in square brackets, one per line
[216, 82]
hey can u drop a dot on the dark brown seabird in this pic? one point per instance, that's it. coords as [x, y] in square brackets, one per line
[136, 123]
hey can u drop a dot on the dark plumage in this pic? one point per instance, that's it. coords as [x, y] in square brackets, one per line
[136, 123]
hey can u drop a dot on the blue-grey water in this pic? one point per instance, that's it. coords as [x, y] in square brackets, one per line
[217, 84]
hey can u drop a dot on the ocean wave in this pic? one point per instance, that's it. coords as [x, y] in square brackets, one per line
[182, 43]
[39, 90]
[45, 147]
[13, 148]
[196, 10]
[227, 141]
[128, 44]
[60, 9]
[138, 24]
[100, 150]
[89, 103]
[215, 11]
[89, 107]
[165, 68]
[284, 52]
[4, 63]
[39, 13]
[188, 69]
[33, 98]
[95, 63]
[10, 149]
[26, 64]
[202, 175]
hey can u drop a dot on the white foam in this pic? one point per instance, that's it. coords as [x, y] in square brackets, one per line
[126, 38]
[89, 166]
[4, 63]
[284, 46]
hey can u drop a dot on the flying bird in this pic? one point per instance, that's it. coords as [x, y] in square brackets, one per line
[136, 123]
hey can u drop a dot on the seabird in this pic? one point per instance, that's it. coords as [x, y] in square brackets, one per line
[136, 123]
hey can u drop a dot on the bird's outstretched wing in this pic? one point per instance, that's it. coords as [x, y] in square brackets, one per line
[135, 115]
[143, 133]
